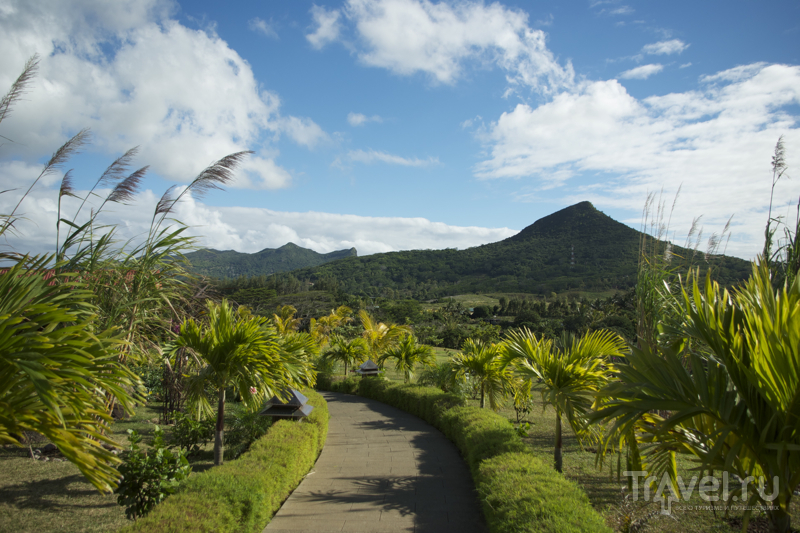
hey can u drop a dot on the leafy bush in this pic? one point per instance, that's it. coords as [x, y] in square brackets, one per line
[149, 477]
[244, 430]
[190, 434]
[243, 495]
[521, 493]
[152, 377]
[518, 492]
[443, 376]
[331, 383]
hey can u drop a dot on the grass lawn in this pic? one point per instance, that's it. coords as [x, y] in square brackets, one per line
[41, 497]
[604, 491]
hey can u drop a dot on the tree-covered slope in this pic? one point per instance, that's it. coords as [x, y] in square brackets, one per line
[577, 247]
[231, 264]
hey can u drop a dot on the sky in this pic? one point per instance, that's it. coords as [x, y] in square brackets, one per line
[391, 125]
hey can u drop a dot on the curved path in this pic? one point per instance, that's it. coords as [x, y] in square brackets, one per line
[382, 469]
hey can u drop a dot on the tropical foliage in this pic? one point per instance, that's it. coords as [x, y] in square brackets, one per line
[149, 476]
[239, 350]
[480, 362]
[347, 352]
[733, 401]
[569, 374]
[408, 355]
[380, 336]
[57, 369]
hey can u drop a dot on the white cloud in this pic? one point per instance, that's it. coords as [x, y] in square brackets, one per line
[253, 229]
[685, 65]
[358, 119]
[642, 73]
[717, 141]
[373, 156]
[622, 10]
[303, 131]
[438, 39]
[327, 27]
[674, 46]
[262, 27]
[184, 109]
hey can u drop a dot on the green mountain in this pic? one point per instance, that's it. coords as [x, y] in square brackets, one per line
[576, 248]
[231, 264]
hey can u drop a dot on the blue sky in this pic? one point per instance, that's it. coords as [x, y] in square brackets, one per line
[399, 124]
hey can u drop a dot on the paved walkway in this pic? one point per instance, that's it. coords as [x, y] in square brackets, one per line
[384, 470]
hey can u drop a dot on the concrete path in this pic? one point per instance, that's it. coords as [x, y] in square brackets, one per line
[384, 470]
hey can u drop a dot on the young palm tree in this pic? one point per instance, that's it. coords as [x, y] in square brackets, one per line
[347, 352]
[570, 375]
[380, 336]
[237, 350]
[285, 320]
[409, 354]
[480, 361]
[733, 404]
[323, 329]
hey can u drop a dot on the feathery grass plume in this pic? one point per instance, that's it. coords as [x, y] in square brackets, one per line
[779, 168]
[115, 172]
[66, 189]
[213, 177]
[118, 168]
[165, 202]
[67, 150]
[19, 87]
[716, 239]
[126, 189]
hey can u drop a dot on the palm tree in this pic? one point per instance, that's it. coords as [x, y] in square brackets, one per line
[323, 329]
[570, 375]
[409, 354]
[57, 368]
[285, 321]
[380, 336]
[347, 352]
[733, 403]
[237, 350]
[480, 360]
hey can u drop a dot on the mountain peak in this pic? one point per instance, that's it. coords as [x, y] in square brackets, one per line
[580, 219]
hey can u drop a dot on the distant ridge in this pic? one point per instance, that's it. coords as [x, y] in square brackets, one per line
[577, 247]
[232, 264]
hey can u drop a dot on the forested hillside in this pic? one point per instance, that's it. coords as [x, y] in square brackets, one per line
[578, 247]
[231, 264]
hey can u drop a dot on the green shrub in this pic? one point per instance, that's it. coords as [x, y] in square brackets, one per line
[428, 403]
[244, 430]
[521, 493]
[244, 494]
[348, 385]
[190, 434]
[518, 492]
[480, 434]
[147, 477]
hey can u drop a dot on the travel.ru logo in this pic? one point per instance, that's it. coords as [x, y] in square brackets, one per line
[708, 489]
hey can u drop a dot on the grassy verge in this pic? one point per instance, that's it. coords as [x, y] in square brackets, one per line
[244, 494]
[43, 497]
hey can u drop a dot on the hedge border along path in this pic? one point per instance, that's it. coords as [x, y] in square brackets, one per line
[243, 495]
[518, 492]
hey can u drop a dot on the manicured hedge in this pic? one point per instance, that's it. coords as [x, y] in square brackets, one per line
[347, 385]
[244, 494]
[518, 492]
